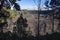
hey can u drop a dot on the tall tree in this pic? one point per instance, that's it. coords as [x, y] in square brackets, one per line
[54, 4]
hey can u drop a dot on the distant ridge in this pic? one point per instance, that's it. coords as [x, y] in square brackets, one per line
[36, 11]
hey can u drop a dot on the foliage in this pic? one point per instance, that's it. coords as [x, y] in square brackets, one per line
[5, 12]
[53, 3]
[8, 4]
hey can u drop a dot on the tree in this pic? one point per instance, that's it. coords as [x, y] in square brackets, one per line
[21, 25]
[54, 4]
[8, 4]
[46, 3]
[5, 5]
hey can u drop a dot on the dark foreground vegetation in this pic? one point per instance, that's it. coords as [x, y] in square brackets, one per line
[11, 36]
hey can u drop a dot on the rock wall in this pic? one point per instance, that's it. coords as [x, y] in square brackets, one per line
[46, 24]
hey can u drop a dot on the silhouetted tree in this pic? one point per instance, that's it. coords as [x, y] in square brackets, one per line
[21, 25]
[54, 4]
[8, 4]
[44, 27]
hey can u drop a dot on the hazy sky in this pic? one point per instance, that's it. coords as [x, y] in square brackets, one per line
[30, 4]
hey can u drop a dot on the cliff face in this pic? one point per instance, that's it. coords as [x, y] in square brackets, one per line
[46, 24]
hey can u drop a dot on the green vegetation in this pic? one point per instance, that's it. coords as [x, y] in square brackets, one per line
[6, 14]
[5, 11]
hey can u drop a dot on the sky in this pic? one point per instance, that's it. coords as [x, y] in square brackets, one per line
[30, 4]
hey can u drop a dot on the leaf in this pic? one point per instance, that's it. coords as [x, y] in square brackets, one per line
[17, 7]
